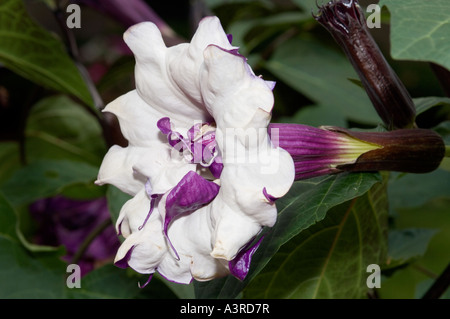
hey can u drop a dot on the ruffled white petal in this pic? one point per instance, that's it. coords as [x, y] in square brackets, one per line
[137, 119]
[234, 97]
[185, 66]
[133, 214]
[153, 81]
[117, 169]
[145, 248]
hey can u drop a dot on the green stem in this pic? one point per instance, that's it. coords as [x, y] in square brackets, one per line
[89, 239]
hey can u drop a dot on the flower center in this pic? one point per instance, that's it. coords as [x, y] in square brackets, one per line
[199, 147]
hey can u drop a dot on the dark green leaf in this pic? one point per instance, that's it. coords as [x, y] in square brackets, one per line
[330, 259]
[432, 214]
[24, 275]
[10, 159]
[322, 75]
[46, 178]
[425, 103]
[406, 245]
[412, 190]
[8, 219]
[34, 53]
[59, 128]
[110, 282]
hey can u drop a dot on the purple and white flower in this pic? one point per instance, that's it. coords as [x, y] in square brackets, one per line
[200, 165]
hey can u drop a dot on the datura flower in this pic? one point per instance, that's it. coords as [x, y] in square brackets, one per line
[200, 165]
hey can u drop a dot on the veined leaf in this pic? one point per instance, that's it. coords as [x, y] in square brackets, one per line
[34, 53]
[420, 30]
[25, 275]
[330, 259]
[59, 128]
[45, 178]
[322, 75]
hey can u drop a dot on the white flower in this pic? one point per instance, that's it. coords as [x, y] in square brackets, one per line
[200, 165]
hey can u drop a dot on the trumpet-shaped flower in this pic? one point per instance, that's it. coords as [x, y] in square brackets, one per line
[200, 165]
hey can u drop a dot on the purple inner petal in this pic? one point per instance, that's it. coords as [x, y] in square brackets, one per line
[164, 125]
[216, 168]
[240, 265]
[190, 194]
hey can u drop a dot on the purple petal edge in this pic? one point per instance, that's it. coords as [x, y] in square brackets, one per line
[240, 265]
[147, 282]
[269, 197]
[123, 263]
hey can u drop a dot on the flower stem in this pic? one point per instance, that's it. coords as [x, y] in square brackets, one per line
[89, 239]
[108, 123]
[440, 285]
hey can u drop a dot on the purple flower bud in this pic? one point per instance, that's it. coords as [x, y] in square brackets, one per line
[345, 20]
[328, 150]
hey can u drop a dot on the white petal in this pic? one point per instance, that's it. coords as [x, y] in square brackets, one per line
[117, 169]
[148, 248]
[234, 97]
[185, 66]
[154, 82]
[137, 119]
[233, 228]
[190, 235]
[134, 213]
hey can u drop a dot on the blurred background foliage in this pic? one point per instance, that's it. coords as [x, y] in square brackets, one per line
[54, 81]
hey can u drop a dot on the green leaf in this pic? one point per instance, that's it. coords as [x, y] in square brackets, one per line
[329, 259]
[423, 104]
[306, 203]
[420, 30]
[412, 190]
[8, 218]
[322, 74]
[26, 275]
[432, 214]
[406, 245]
[10, 159]
[34, 53]
[317, 115]
[59, 128]
[110, 282]
[46, 178]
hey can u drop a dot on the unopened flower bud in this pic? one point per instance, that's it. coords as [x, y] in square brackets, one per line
[327, 150]
[345, 20]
